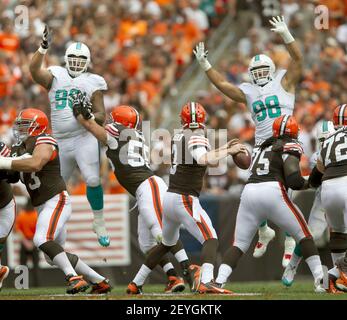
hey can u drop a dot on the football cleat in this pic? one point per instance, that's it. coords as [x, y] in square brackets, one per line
[101, 287]
[318, 286]
[195, 272]
[100, 230]
[133, 288]
[289, 246]
[175, 284]
[187, 277]
[288, 275]
[332, 288]
[4, 271]
[212, 288]
[341, 283]
[76, 284]
[264, 239]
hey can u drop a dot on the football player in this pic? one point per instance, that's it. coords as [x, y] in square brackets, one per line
[7, 211]
[268, 96]
[317, 222]
[274, 169]
[128, 155]
[41, 175]
[77, 146]
[190, 156]
[332, 163]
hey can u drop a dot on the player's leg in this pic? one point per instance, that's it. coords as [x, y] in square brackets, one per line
[67, 158]
[170, 237]
[247, 222]
[87, 155]
[335, 204]
[147, 242]
[149, 196]
[53, 215]
[317, 225]
[99, 283]
[7, 218]
[288, 217]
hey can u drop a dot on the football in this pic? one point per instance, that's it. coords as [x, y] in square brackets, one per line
[242, 160]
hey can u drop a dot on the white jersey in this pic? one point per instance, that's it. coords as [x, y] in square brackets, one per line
[267, 103]
[64, 124]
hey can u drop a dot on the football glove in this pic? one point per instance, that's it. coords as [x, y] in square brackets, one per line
[201, 56]
[82, 106]
[46, 40]
[281, 28]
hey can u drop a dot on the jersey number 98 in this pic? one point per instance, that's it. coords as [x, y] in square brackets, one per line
[271, 108]
[62, 98]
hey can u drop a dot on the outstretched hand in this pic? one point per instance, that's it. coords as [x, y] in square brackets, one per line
[46, 38]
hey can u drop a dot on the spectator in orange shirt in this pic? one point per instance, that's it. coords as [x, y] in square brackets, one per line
[9, 41]
[25, 227]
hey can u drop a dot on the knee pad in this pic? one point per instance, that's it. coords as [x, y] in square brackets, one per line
[93, 181]
[338, 242]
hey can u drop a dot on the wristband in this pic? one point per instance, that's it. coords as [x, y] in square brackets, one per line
[6, 163]
[287, 37]
[42, 50]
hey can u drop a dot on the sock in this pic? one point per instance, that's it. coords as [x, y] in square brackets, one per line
[83, 269]
[168, 267]
[297, 250]
[142, 275]
[62, 262]
[224, 273]
[315, 266]
[295, 260]
[336, 255]
[207, 272]
[181, 256]
[335, 272]
[95, 196]
[263, 226]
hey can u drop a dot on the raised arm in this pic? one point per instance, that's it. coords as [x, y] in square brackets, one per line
[294, 71]
[41, 75]
[98, 131]
[230, 90]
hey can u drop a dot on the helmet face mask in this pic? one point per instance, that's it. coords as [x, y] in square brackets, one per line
[77, 59]
[261, 69]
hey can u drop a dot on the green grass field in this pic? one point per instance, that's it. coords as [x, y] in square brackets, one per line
[301, 290]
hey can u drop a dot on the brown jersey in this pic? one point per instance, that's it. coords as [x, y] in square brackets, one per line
[128, 154]
[268, 159]
[6, 194]
[186, 175]
[334, 155]
[46, 183]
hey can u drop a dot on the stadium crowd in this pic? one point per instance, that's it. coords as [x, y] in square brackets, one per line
[142, 48]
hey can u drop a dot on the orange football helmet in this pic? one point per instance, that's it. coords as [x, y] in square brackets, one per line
[30, 122]
[340, 115]
[126, 115]
[193, 115]
[285, 126]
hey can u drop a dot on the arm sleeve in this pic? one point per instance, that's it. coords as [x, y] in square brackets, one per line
[315, 178]
[292, 173]
[112, 136]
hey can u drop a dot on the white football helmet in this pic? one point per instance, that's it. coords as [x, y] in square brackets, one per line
[324, 129]
[261, 69]
[77, 58]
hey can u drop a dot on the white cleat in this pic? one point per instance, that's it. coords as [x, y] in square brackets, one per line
[264, 238]
[288, 275]
[4, 271]
[100, 230]
[289, 246]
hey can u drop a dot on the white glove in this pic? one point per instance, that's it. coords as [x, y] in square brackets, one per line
[281, 28]
[201, 56]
